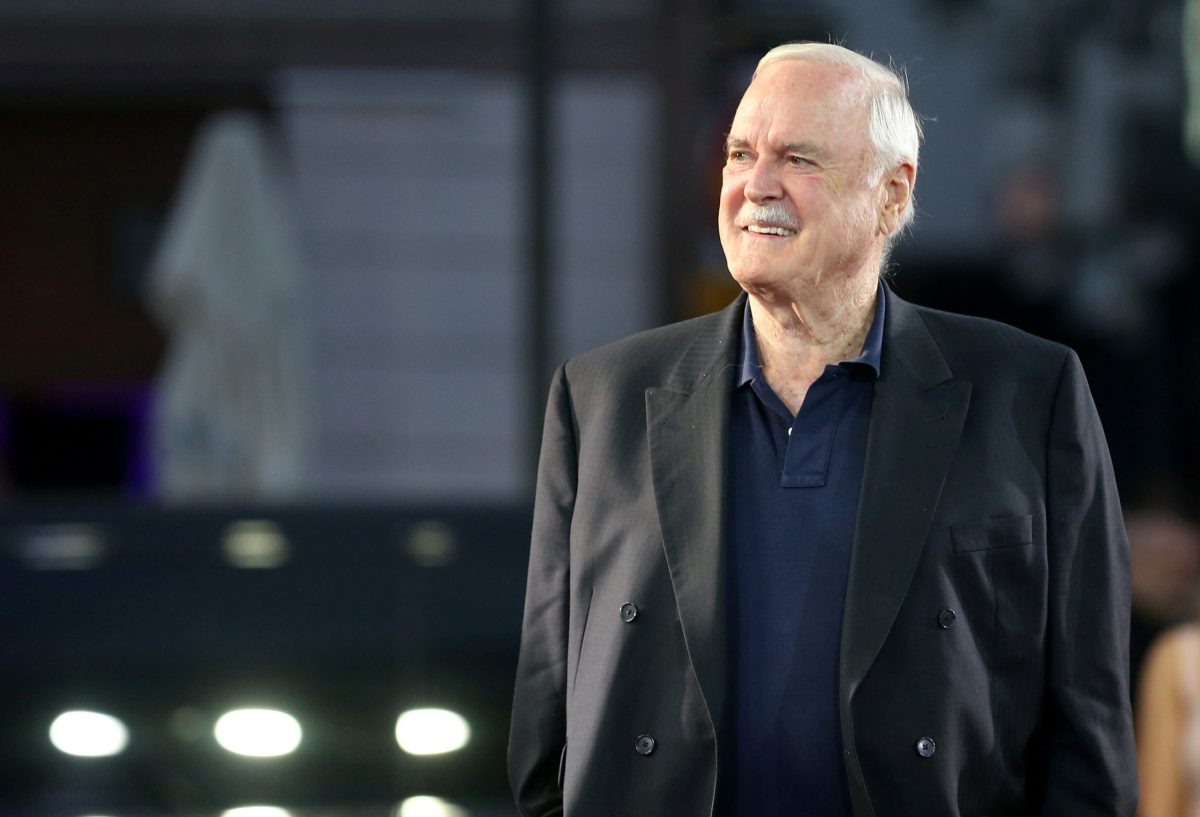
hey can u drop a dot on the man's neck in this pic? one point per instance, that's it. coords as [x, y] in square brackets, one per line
[799, 337]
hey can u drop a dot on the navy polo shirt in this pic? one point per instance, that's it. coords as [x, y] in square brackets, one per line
[793, 498]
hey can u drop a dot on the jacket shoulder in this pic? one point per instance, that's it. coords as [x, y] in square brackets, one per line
[652, 354]
[969, 341]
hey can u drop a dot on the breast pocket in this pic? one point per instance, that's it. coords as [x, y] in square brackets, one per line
[1000, 581]
[993, 534]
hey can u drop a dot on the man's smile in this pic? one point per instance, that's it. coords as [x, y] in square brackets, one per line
[769, 229]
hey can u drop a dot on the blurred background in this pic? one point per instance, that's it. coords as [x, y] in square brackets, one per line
[282, 284]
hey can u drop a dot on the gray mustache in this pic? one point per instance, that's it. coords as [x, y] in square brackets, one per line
[774, 214]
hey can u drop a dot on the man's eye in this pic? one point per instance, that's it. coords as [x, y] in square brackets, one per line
[798, 161]
[737, 155]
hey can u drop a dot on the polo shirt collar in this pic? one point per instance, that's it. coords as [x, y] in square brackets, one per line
[749, 366]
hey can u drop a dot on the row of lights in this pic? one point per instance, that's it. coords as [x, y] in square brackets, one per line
[249, 543]
[257, 733]
[422, 805]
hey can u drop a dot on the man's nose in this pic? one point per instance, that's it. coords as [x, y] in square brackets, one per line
[763, 184]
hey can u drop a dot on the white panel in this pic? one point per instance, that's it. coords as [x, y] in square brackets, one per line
[409, 184]
[435, 204]
[606, 188]
[411, 187]
[418, 403]
[441, 303]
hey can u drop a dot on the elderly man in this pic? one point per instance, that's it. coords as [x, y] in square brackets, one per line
[824, 552]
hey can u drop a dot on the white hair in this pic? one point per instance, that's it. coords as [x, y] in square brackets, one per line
[893, 129]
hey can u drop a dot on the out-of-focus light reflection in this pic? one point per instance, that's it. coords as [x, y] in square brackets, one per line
[256, 544]
[431, 731]
[61, 547]
[88, 734]
[431, 544]
[425, 805]
[258, 732]
[256, 811]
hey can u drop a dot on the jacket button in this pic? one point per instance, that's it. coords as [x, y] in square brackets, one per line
[946, 619]
[926, 747]
[645, 745]
[629, 612]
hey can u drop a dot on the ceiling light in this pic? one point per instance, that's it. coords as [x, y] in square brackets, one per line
[258, 732]
[431, 731]
[61, 547]
[256, 811]
[88, 734]
[255, 544]
[431, 544]
[424, 805]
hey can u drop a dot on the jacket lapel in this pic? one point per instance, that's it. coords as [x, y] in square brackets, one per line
[687, 424]
[916, 420]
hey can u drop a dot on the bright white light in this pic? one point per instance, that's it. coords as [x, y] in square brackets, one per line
[88, 734]
[258, 733]
[427, 806]
[256, 811]
[431, 731]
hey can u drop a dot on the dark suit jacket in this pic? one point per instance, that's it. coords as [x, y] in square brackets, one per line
[987, 491]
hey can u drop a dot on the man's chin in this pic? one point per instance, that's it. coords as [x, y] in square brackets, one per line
[757, 280]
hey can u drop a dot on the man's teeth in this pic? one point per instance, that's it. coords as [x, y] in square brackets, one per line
[783, 231]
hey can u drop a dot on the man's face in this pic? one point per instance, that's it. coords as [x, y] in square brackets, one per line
[796, 210]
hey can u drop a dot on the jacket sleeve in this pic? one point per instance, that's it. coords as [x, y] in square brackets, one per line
[538, 732]
[1089, 766]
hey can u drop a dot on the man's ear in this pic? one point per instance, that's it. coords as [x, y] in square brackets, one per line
[897, 197]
